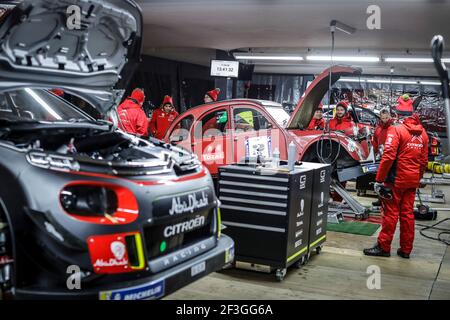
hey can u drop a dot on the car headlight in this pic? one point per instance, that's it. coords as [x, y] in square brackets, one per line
[99, 203]
[89, 200]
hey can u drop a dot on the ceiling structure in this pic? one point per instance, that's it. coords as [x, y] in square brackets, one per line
[191, 31]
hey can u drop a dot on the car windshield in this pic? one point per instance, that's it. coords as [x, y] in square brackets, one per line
[37, 105]
[279, 114]
[365, 116]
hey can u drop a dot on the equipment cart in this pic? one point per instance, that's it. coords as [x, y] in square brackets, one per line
[268, 213]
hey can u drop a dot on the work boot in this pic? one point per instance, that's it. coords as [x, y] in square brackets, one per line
[376, 203]
[376, 251]
[402, 254]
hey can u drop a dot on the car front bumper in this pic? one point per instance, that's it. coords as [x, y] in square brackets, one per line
[153, 287]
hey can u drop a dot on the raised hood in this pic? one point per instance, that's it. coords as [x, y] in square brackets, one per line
[38, 49]
[314, 94]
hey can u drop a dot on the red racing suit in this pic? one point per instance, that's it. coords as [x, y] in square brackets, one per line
[160, 122]
[132, 118]
[402, 166]
[316, 124]
[345, 124]
[379, 136]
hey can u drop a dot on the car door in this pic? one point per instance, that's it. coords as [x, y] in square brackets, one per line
[255, 133]
[211, 139]
[180, 134]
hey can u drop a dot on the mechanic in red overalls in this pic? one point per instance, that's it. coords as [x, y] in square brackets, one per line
[379, 137]
[402, 166]
[317, 122]
[162, 118]
[211, 96]
[404, 106]
[132, 118]
[342, 120]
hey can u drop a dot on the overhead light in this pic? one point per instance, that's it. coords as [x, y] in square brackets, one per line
[335, 24]
[352, 80]
[393, 81]
[343, 58]
[267, 57]
[430, 83]
[412, 60]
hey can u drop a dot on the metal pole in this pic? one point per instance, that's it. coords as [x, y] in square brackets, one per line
[437, 48]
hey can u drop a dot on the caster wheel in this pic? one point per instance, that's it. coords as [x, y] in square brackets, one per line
[280, 274]
[318, 250]
[300, 263]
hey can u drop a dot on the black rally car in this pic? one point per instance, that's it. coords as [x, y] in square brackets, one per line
[87, 211]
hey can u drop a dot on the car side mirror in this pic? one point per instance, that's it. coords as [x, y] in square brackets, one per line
[176, 139]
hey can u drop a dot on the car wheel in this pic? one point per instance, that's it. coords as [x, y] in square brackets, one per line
[6, 261]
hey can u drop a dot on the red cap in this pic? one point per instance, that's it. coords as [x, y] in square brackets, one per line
[167, 100]
[343, 104]
[57, 92]
[138, 95]
[214, 94]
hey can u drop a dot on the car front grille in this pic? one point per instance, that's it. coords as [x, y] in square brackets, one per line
[171, 235]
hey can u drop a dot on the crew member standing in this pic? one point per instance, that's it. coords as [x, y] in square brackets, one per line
[379, 137]
[402, 166]
[211, 96]
[317, 122]
[342, 120]
[162, 118]
[132, 118]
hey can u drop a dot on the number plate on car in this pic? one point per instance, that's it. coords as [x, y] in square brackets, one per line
[198, 268]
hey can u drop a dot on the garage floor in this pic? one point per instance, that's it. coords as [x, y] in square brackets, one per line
[340, 272]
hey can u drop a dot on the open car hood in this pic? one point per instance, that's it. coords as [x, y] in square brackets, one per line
[38, 49]
[314, 94]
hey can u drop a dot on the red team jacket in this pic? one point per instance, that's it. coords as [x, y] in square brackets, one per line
[132, 118]
[379, 137]
[345, 124]
[316, 124]
[160, 122]
[405, 154]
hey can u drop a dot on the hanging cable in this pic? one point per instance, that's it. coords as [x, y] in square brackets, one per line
[326, 139]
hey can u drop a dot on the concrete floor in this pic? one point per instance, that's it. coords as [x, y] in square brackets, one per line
[341, 272]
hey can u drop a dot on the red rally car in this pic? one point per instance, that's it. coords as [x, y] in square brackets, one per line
[225, 132]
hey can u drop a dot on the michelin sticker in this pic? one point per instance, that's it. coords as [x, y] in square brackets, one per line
[148, 291]
[229, 255]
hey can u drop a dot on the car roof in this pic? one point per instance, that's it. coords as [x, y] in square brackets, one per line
[263, 103]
